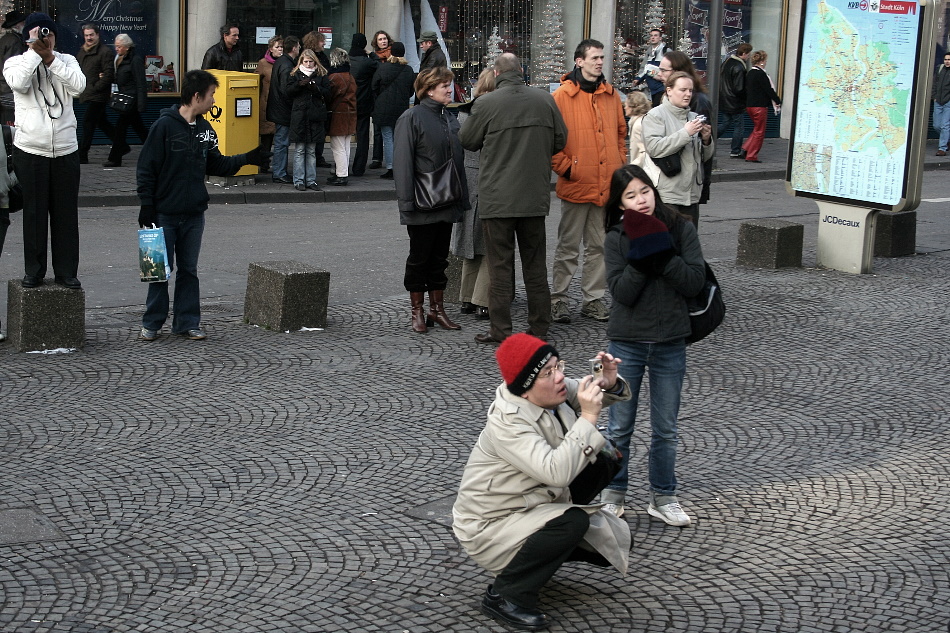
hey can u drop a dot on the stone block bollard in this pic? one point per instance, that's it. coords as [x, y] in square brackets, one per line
[770, 243]
[895, 234]
[46, 317]
[286, 295]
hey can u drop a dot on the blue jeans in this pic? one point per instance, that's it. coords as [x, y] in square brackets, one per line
[183, 242]
[737, 123]
[387, 132]
[942, 123]
[667, 365]
[305, 163]
[281, 145]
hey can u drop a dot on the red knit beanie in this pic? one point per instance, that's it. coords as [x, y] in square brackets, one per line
[521, 357]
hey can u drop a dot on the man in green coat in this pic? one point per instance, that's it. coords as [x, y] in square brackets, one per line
[518, 129]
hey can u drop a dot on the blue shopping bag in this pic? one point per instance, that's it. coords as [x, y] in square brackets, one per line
[153, 256]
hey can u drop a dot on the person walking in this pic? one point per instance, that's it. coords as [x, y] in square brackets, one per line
[130, 79]
[760, 94]
[426, 141]
[278, 109]
[941, 98]
[309, 90]
[95, 59]
[393, 86]
[596, 147]
[732, 97]
[265, 68]
[362, 67]
[654, 263]
[342, 106]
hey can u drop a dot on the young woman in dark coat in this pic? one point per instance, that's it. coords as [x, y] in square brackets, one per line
[130, 79]
[393, 87]
[426, 139]
[309, 89]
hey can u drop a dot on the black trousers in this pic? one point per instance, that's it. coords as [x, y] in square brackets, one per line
[428, 256]
[689, 210]
[119, 145]
[4, 225]
[377, 143]
[94, 117]
[362, 146]
[50, 210]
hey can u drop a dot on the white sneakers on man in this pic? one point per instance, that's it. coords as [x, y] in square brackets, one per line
[671, 513]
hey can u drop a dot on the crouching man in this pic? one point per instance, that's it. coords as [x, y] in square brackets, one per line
[522, 510]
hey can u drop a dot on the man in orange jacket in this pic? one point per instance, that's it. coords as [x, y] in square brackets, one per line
[596, 147]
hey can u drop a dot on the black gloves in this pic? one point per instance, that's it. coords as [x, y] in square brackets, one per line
[653, 264]
[257, 156]
[147, 216]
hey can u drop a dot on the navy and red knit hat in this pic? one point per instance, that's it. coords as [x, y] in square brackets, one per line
[648, 235]
[521, 357]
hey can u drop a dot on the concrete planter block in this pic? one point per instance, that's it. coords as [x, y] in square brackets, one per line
[454, 286]
[46, 317]
[770, 243]
[286, 295]
[895, 234]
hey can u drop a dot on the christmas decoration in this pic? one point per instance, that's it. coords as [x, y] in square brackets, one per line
[685, 44]
[624, 72]
[549, 63]
[6, 6]
[494, 47]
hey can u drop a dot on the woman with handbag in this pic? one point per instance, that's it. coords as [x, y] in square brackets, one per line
[431, 191]
[654, 263]
[393, 86]
[678, 142]
[309, 90]
[130, 80]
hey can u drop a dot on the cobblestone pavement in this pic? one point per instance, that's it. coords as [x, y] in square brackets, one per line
[282, 482]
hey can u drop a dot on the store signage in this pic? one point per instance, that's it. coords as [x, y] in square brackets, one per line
[443, 19]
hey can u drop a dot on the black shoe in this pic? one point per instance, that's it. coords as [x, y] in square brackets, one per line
[300, 187]
[468, 307]
[339, 182]
[511, 614]
[388, 175]
[322, 162]
[486, 338]
[481, 313]
[70, 282]
[32, 281]
[112, 163]
[283, 180]
[376, 165]
[331, 178]
[742, 154]
[126, 150]
[314, 187]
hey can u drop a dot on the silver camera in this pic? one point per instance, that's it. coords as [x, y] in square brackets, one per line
[596, 368]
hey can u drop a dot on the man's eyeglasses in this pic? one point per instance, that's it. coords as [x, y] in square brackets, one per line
[549, 373]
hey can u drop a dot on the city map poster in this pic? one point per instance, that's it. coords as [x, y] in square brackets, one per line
[854, 99]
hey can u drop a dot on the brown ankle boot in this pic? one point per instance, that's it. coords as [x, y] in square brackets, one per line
[437, 311]
[418, 300]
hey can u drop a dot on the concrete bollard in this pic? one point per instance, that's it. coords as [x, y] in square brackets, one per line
[286, 295]
[770, 243]
[46, 317]
[895, 234]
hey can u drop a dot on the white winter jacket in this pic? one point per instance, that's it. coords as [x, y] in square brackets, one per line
[46, 123]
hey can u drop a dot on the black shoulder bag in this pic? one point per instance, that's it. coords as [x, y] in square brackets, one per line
[15, 194]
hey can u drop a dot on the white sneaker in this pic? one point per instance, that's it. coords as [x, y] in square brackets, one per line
[613, 508]
[671, 513]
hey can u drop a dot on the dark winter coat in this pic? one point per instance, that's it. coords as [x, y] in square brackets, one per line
[99, 60]
[392, 86]
[648, 308]
[732, 86]
[130, 78]
[218, 57]
[363, 67]
[278, 101]
[759, 92]
[433, 58]
[426, 137]
[308, 115]
[11, 44]
[941, 88]
[174, 161]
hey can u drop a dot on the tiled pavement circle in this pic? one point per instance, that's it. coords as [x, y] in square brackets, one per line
[266, 482]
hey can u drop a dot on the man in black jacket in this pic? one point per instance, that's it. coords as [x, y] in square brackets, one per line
[180, 150]
[432, 52]
[279, 106]
[11, 44]
[362, 67]
[96, 60]
[732, 97]
[225, 55]
[941, 97]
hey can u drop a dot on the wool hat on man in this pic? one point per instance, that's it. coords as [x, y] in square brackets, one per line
[648, 235]
[428, 36]
[398, 49]
[521, 357]
[38, 19]
[13, 18]
[358, 45]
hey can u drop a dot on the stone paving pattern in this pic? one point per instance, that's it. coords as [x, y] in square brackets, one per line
[266, 482]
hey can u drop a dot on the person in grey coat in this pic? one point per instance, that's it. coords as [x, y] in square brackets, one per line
[426, 139]
[518, 129]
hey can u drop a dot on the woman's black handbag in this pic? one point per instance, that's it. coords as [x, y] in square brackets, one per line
[437, 189]
[669, 165]
[707, 309]
[15, 193]
[121, 102]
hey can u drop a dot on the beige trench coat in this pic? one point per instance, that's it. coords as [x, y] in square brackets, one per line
[517, 479]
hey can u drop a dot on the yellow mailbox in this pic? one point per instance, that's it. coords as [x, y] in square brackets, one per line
[234, 115]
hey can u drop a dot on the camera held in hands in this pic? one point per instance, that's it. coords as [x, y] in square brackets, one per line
[701, 118]
[596, 368]
[41, 35]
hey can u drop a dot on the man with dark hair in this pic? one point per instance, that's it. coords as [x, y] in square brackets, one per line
[524, 504]
[655, 51]
[941, 98]
[279, 106]
[46, 153]
[732, 97]
[362, 67]
[181, 149]
[225, 55]
[596, 147]
[11, 43]
[96, 60]
[517, 129]
[432, 54]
